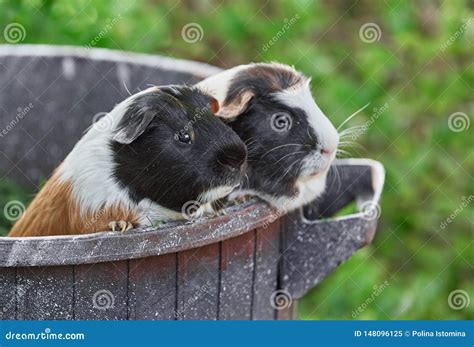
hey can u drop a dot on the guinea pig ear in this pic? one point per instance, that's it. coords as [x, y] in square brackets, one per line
[214, 106]
[232, 108]
[133, 127]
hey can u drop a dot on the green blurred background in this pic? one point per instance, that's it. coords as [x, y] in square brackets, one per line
[418, 63]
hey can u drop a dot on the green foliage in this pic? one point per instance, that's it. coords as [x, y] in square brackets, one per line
[413, 67]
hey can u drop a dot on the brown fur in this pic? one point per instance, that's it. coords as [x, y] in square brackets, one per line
[54, 211]
[277, 77]
[259, 78]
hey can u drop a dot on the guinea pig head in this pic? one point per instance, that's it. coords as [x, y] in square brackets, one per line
[291, 143]
[171, 149]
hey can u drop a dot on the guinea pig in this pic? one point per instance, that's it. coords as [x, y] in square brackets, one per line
[156, 153]
[290, 142]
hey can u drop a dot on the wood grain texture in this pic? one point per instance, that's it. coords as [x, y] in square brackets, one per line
[267, 253]
[198, 283]
[44, 293]
[101, 291]
[236, 277]
[7, 293]
[152, 287]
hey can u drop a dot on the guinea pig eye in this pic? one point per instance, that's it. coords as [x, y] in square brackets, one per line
[184, 137]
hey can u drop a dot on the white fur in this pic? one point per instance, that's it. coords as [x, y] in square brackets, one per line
[215, 194]
[218, 85]
[322, 126]
[89, 168]
[308, 190]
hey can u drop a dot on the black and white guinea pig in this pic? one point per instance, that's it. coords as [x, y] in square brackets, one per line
[290, 142]
[159, 155]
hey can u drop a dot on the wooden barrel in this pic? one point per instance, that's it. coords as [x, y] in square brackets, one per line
[252, 263]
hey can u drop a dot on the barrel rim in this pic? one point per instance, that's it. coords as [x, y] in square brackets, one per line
[199, 69]
[154, 241]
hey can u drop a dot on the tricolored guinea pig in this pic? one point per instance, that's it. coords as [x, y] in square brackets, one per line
[142, 162]
[290, 142]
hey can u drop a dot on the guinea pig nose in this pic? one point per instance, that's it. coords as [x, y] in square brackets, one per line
[326, 151]
[232, 157]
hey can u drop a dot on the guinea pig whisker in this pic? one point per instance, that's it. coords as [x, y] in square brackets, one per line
[343, 152]
[350, 131]
[352, 128]
[337, 176]
[297, 152]
[351, 145]
[287, 171]
[353, 115]
[126, 88]
[278, 147]
[250, 139]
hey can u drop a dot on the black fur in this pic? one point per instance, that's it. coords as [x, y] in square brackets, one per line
[274, 172]
[157, 166]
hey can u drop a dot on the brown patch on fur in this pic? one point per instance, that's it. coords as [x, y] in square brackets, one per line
[54, 211]
[257, 81]
[276, 77]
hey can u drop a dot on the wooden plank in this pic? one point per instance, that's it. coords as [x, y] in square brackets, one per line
[7, 293]
[198, 283]
[267, 255]
[237, 265]
[134, 244]
[101, 291]
[152, 287]
[44, 293]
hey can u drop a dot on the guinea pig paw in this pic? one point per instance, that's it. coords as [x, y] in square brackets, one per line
[242, 199]
[215, 213]
[120, 225]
